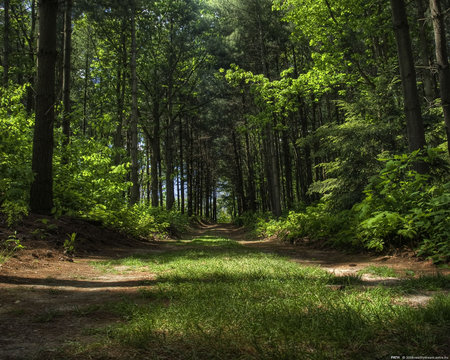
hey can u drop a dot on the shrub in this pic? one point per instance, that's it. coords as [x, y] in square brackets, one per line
[403, 207]
[16, 131]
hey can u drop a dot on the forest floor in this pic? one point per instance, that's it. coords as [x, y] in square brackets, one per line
[50, 301]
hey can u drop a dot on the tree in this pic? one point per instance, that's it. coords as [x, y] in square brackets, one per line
[6, 45]
[67, 73]
[442, 62]
[414, 123]
[134, 194]
[41, 195]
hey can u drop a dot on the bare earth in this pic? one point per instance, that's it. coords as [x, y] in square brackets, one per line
[48, 300]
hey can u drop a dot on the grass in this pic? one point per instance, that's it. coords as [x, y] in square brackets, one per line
[215, 299]
[383, 271]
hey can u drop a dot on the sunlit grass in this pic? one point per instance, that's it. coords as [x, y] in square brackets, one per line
[383, 271]
[215, 299]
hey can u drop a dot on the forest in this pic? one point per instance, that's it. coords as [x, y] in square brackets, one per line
[315, 123]
[299, 118]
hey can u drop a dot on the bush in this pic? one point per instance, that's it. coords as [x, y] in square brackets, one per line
[16, 134]
[403, 207]
[140, 220]
[315, 222]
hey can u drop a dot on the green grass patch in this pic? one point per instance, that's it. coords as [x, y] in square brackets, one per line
[382, 271]
[215, 299]
[436, 282]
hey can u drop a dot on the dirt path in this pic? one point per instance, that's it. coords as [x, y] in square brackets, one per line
[47, 299]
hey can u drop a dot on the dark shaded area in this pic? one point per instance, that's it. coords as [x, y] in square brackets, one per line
[74, 283]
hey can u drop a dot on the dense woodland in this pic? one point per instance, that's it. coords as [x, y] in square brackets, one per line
[302, 118]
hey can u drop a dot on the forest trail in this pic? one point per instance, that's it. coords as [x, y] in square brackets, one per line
[335, 261]
[48, 301]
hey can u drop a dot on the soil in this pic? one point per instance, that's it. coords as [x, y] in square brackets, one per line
[49, 298]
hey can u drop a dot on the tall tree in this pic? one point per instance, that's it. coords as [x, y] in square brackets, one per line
[41, 194]
[6, 44]
[414, 123]
[442, 62]
[134, 195]
[67, 73]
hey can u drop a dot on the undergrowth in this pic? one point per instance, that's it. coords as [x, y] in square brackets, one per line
[400, 208]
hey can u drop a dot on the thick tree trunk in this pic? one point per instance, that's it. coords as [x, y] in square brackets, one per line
[66, 76]
[442, 62]
[414, 123]
[41, 194]
[134, 194]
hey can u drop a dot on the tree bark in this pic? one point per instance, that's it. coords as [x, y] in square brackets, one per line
[6, 45]
[170, 196]
[414, 123]
[30, 90]
[66, 76]
[134, 194]
[41, 193]
[442, 62]
[120, 95]
[425, 54]
[239, 181]
[181, 167]
[156, 154]
[190, 180]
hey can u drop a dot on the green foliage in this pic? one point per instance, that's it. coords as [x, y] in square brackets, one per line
[141, 220]
[14, 211]
[316, 223]
[404, 207]
[9, 246]
[69, 243]
[90, 178]
[15, 146]
[401, 208]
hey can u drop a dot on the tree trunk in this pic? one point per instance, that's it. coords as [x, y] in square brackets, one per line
[147, 170]
[442, 62]
[170, 196]
[66, 76]
[190, 180]
[414, 124]
[181, 168]
[120, 94]
[134, 194]
[156, 154]
[6, 45]
[287, 170]
[85, 93]
[239, 182]
[251, 176]
[32, 50]
[425, 58]
[41, 194]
